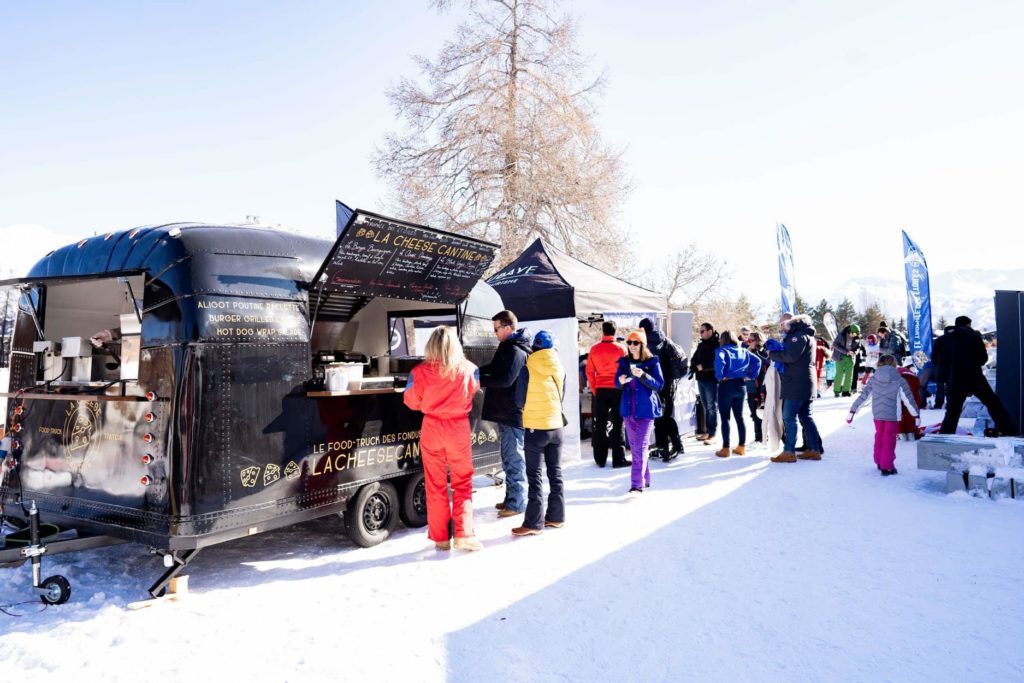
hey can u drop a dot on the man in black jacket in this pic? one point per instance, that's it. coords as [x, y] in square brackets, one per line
[940, 366]
[963, 358]
[499, 378]
[799, 387]
[673, 368]
[702, 365]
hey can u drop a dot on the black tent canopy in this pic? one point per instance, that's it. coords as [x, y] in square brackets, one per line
[545, 283]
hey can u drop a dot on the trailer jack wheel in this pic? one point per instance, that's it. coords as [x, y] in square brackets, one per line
[55, 590]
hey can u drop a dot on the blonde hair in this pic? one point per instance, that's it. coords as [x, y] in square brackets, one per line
[444, 349]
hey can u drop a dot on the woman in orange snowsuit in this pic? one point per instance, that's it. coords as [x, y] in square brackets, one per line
[442, 387]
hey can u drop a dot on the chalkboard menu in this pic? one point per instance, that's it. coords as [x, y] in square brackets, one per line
[378, 256]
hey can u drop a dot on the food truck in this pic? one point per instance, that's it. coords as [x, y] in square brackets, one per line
[187, 384]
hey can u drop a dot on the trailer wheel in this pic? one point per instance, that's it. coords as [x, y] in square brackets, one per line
[414, 502]
[58, 590]
[372, 514]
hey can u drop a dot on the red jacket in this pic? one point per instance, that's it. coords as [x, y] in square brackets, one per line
[439, 396]
[602, 362]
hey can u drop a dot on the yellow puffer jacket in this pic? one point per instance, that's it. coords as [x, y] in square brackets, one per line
[544, 387]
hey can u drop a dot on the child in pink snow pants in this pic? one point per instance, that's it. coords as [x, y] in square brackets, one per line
[890, 396]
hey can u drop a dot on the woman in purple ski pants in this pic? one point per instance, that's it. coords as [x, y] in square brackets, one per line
[639, 376]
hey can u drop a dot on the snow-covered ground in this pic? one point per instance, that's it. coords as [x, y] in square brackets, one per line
[725, 570]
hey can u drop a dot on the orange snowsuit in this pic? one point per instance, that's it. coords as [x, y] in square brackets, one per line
[445, 445]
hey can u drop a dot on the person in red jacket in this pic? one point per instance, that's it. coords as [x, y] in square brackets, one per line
[442, 387]
[601, 365]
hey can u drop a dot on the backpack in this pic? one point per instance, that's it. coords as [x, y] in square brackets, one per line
[901, 344]
[677, 365]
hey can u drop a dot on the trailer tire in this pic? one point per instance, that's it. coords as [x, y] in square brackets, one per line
[58, 590]
[414, 502]
[373, 514]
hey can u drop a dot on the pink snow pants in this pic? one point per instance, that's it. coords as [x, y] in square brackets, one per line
[886, 432]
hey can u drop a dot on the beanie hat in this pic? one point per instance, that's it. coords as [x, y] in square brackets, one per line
[646, 325]
[855, 328]
[543, 340]
[637, 335]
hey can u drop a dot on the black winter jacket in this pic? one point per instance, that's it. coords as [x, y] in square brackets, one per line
[704, 356]
[963, 356]
[499, 378]
[939, 356]
[673, 364]
[797, 356]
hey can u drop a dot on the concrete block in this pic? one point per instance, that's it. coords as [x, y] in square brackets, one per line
[956, 481]
[1018, 486]
[977, 481]
[974, 408]
[1001, 487]
[939, 452]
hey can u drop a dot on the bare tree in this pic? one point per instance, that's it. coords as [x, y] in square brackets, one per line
[689, 278]
[500, 141]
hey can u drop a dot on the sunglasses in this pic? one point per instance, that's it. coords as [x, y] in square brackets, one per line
[632, 343]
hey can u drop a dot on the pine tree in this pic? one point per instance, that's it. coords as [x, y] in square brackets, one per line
[845, 314]
[870, 319]
[943, 324]
[818, 312]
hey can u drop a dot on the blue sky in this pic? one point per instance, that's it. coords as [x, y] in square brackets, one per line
[846, 121]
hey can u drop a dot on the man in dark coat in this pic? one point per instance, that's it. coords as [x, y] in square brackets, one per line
[796, 353]
[963, 358]
[702, 366]
[940, 374]
[673, 368]
[499, 379]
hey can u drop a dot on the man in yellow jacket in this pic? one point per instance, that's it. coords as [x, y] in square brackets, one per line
[539, 392]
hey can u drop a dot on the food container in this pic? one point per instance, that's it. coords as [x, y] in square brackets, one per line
[342, 376]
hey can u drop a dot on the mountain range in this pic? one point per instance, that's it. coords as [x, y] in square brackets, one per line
[960, 292]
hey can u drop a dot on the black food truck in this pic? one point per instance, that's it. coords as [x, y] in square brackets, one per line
[183, 385]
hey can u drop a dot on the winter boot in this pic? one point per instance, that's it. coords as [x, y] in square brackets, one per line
[810, 455]
[443, 545]
[739, 450]
[505, 512]
[701, 436]
[785, 456]
[722, 452]
[526, 531]
[468, 543]
[499, 506]
[553, 525]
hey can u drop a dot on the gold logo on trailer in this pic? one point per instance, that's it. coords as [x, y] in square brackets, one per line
[291, 470]
[250, 475]
[81, 423]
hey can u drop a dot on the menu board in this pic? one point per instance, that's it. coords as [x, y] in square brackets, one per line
[377, 256]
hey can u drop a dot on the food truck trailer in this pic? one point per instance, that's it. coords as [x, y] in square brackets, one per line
[246, 379]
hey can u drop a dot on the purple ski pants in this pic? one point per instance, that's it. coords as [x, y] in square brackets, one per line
[639, 433]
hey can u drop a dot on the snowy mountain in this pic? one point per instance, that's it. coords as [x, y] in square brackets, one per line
[960, 292]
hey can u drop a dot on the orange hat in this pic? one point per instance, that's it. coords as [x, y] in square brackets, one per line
[638, 335]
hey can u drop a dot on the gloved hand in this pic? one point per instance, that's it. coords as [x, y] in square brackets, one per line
[773, 345]
[849, 418]
[100, 338]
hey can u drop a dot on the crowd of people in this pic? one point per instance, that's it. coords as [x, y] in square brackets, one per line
[633, 381]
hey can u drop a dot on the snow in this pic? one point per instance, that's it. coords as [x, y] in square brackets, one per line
[726, 569]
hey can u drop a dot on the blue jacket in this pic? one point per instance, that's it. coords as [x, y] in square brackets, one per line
[732, 362]
[640, 398]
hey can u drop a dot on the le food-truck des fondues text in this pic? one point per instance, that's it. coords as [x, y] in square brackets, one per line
[178, 385]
